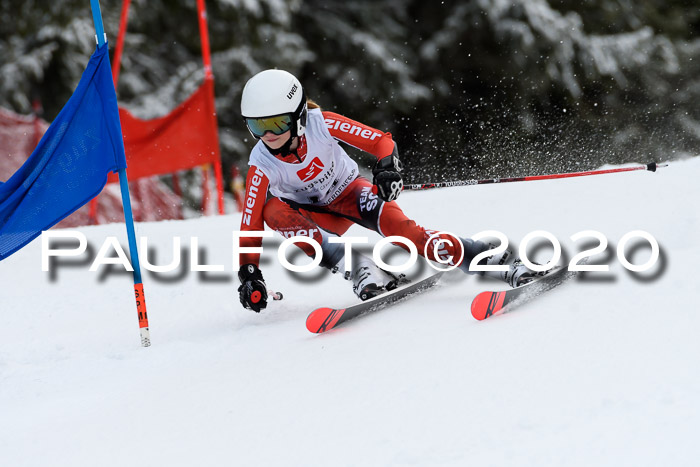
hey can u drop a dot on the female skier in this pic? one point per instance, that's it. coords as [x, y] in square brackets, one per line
[317, 190]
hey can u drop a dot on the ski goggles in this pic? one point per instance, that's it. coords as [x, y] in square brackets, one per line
[276, 125]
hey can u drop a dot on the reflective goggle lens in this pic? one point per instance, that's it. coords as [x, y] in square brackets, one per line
[277, 125]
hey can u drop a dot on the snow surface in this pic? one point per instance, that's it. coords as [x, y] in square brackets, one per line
[598, 372]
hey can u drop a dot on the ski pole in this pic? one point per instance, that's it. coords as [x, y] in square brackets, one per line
[275, 295]
[426, 186]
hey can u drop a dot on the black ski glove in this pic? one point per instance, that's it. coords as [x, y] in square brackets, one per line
[387, 177]
[252, 292]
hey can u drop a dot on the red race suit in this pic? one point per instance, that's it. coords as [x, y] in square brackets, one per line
[319, 187]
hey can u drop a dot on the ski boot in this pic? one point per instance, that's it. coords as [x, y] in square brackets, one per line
[369, 280]
[517, 274]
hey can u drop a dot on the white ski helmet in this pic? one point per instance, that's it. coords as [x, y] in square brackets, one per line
[274, 93]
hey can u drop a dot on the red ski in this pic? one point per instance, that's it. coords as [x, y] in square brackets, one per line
[325, 319]
[488, 304]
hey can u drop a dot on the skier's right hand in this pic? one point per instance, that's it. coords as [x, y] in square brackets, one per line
[252, 291]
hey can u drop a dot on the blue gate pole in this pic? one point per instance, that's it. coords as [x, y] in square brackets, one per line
[126, 203]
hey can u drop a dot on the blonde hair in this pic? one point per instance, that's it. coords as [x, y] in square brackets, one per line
[311, 104]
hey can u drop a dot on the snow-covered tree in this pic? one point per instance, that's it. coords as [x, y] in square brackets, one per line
[467, 87]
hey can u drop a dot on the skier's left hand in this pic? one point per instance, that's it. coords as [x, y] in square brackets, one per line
[387, 177]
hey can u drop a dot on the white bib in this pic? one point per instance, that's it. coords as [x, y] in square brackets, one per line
[326, 171]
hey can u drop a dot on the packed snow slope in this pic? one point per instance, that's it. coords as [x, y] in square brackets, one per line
[601, 371]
